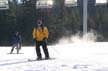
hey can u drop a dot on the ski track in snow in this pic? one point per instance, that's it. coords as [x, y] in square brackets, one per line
[79, 57]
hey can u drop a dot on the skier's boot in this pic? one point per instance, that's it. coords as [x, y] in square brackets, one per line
[39, 58]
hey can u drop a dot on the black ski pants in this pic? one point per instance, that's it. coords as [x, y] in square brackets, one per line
[13, 47]
[44, 47]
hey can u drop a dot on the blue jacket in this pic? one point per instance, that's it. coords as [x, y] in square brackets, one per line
[15, 39]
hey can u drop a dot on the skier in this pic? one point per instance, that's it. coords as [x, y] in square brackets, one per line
[40, 36]
[16, 42]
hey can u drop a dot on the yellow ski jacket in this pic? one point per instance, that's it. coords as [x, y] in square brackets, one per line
[40, 34]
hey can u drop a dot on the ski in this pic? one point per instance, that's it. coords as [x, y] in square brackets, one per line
[15, 53]
[41, 59]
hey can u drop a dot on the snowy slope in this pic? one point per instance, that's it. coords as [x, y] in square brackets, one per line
[69, 57]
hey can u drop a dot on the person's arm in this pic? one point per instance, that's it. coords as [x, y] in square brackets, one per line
[20, 39]
[46, 33]
[34, 34]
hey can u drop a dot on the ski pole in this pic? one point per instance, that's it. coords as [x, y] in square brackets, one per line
[55, 50]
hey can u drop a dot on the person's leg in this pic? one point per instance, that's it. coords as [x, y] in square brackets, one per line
[17, 46]
[38, 51]
[45, 49]
[13, 46]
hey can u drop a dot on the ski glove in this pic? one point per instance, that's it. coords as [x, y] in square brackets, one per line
[34, 40]
[44, 39]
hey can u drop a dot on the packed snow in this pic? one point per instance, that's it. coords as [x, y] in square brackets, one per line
[92, 56]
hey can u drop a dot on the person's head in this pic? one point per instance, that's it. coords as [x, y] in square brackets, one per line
[17, 33]
[39, 23]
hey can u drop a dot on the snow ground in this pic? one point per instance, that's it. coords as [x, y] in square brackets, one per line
[69, 57]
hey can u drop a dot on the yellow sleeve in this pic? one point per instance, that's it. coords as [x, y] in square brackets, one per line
[46, 33]
[34, 33]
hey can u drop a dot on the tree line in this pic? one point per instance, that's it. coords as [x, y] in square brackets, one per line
[60, 20]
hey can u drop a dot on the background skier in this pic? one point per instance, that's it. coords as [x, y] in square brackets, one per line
[16, 42]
